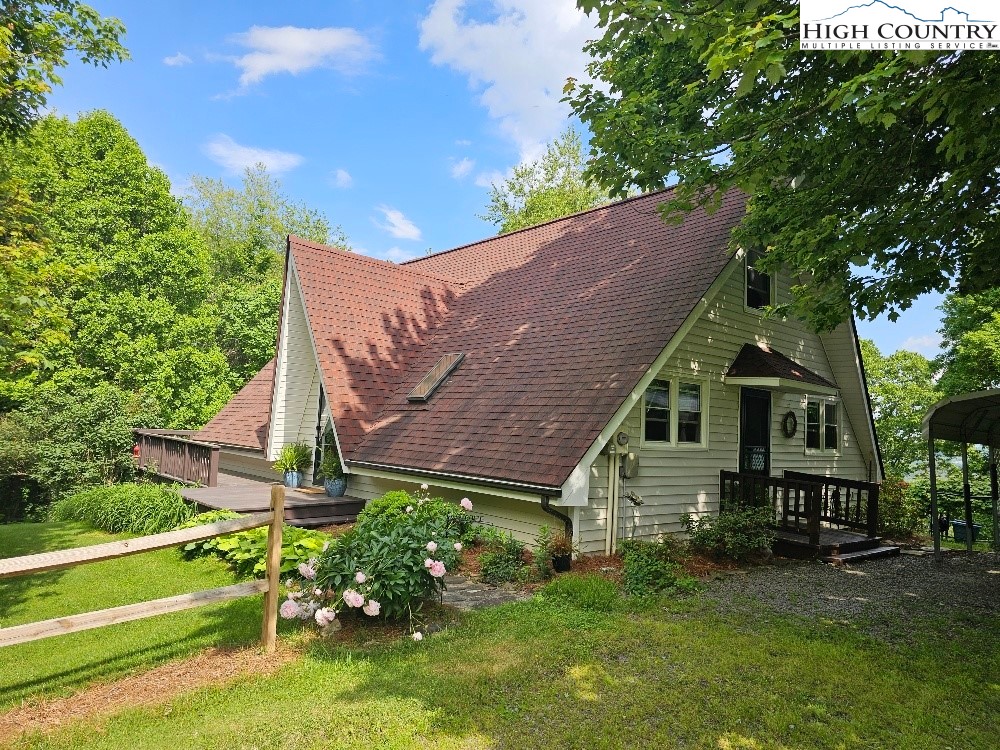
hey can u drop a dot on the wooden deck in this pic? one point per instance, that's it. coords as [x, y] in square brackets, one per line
[244, 495]
[835, 546]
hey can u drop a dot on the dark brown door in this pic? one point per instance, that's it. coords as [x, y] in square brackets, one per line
[755, 431]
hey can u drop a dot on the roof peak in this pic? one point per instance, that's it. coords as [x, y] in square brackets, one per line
[361, 258]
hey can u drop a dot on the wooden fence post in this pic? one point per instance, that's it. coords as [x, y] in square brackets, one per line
[269, 630]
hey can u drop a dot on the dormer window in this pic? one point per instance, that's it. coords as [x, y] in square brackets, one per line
[758, 283]
[430, 382]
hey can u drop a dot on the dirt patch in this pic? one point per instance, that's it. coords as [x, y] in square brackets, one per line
[336, 529]
[609, 566]
[210, 667]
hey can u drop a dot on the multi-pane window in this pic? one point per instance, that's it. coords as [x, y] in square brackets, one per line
[758, 283]
[688, 413]
[657, 417]
[674, 412]
[822, 426]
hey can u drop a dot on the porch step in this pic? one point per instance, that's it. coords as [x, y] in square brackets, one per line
[313, 522]
[301, 511]
[873, 553]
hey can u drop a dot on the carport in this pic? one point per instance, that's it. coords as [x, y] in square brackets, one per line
[968, 419]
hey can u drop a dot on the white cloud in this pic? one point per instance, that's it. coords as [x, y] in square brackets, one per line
[929, 344]
[290, 49]
[460, 169]
[175, 61]
[489, 179]
[235, 157]
[519, 61]
[397, 224]
[341, 178]
[398, 255]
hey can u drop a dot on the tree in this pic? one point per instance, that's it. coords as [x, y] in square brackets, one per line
[548, 188]
[970, 329]
[142, 321]
[244, 230]
[902, 390]
[35, 41]
[873, 175]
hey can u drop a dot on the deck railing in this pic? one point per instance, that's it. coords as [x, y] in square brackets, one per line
[845, 503]
[173, 455]
[803, 503]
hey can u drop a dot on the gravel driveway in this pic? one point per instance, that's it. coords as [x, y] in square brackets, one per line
[875, 596]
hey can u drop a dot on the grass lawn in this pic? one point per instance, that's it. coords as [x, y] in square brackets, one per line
[539, 674]
[58, 665]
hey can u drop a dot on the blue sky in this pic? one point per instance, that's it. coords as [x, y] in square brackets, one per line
[393, 117]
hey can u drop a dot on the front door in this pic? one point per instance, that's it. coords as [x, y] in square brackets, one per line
[755, 431]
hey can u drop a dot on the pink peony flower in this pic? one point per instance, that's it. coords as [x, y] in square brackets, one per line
[372, 608]
[409, 508]
[360, 577]
[352, 598]
[458, 546]
[466, 503]
[307, 571]
[437, 569]
[294, 594]
[424, 487]
[418, 636]
[307, 610]
[427, 563]
[432, 546]
[325, 616]
[317, 592]
[289, 609]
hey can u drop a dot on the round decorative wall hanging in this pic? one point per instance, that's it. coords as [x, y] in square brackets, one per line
[789, 424]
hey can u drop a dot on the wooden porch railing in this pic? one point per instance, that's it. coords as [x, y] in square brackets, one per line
[803, 503]
[173, 455]
[793, 503]
[849, 503]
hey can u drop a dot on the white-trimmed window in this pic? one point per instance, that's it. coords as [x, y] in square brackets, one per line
[759, 285]
[822, 426]
[675, 413]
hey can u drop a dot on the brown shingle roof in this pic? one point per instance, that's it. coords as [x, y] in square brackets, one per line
[759, 361]
[244, 420]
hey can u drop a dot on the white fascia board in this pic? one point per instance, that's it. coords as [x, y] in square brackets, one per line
[576, 489]
[277, 391]
[294, 275]
[654, 369]
[436, 479]
[782, 384]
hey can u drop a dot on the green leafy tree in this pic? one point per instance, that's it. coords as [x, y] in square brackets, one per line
[245, 230]
[548, 188]
[36, 39]
[872, 175]
[970, 329]
[902, 390]
[142, 320]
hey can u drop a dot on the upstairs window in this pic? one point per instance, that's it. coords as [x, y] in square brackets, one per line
[657, 415]
[758, 283]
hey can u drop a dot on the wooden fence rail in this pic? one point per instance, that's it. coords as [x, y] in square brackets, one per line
[60, 559]
[173, 455]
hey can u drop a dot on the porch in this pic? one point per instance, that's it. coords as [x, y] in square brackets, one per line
[814, 516]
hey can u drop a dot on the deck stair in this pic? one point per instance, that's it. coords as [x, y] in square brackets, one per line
[835, 546]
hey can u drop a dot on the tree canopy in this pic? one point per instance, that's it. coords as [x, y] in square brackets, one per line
[36, 39]
[873, 175]
[970, 329]
[548, 188]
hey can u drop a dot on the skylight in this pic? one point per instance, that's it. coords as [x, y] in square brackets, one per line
[430, 382]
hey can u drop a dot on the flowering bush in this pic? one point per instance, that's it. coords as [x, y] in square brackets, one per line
[387, 565]
[457, 519]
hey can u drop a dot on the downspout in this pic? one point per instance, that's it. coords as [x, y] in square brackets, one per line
[567, 521]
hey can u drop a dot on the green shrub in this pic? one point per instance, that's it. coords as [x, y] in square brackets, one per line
[650, 567]
[456, 521]
[586, 591]
[541, 555]
[125, 508]
[246, 551]
[503, 560]
[734, 534]
[900, 513]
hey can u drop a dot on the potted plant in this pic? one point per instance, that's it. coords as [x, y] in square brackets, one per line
[561, 550]
[332, 473]
[293, 458]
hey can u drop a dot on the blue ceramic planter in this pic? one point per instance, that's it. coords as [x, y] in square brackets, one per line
[293, 479]
[335, 487]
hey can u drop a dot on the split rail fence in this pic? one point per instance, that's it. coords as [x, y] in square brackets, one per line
[47, 561]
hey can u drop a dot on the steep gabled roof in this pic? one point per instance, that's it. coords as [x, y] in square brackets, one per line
[368, 319]
[243, 421]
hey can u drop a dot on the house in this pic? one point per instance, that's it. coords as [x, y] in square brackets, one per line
[606, 371]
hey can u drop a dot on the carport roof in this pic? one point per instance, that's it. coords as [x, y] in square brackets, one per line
[969, 418]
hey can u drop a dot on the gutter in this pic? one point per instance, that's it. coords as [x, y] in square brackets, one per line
[567, 521]
[540, 489]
